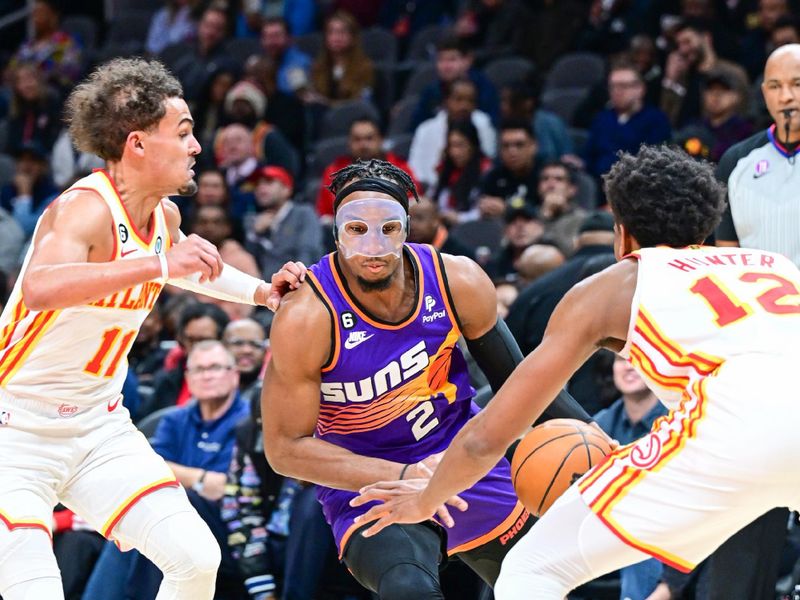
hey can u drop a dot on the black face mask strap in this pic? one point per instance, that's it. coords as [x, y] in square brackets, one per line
[373, 184]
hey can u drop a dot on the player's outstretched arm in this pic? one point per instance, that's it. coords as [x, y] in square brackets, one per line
[489, 341]
[72, 247]
[594, 313]
[300, 342]
[229, 284]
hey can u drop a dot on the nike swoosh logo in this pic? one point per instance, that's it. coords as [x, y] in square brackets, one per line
[124, 254]
[350, 344]
[111, 407]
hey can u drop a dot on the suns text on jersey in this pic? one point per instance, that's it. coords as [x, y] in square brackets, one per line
[411, 363]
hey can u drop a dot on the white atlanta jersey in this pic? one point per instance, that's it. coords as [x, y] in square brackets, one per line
[714, 332]
[77, 356]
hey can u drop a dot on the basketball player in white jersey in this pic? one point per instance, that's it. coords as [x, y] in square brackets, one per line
[100, 255]
[714, 332]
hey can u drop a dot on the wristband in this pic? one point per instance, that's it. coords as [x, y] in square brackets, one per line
[403, 470]
[162, 259]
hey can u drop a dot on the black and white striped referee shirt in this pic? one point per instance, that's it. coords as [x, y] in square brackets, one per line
[763, 179]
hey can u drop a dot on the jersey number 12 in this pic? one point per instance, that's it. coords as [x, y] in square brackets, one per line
[730, 309]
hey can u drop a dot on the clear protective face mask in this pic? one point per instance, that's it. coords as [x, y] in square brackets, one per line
[372, 227]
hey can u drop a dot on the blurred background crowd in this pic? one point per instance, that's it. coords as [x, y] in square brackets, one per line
[506, 113]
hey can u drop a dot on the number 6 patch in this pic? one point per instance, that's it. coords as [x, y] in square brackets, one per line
[348, 320]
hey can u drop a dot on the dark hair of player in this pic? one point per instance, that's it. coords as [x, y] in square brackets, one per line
[664, 197]
[372, 169]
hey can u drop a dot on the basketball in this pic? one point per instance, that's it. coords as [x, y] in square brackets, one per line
[551, 457]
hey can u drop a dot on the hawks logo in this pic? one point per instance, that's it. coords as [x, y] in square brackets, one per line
[159, 244]
[646, 452]
[67, 410]
[5, 417]
[123, 233]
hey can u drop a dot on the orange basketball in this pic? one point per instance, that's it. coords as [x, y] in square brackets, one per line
[551, 457]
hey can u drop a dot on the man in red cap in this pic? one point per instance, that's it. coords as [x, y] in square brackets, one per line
[281, 230]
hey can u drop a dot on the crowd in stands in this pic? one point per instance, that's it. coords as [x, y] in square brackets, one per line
[506, 113]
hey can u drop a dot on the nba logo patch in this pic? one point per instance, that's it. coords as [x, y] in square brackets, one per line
[762, 167]
[5, 417]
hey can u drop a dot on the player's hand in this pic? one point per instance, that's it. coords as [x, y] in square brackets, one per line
[424, 470]
[193, 254]
[289, 278]
[401, 502]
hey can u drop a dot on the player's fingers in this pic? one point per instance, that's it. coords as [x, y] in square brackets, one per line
[379, 526]
[273, 301]
[445, 517]
[458, 502]
[302, 270]
[374, 513]
[207, 263]
[369, 496]
[405, 484]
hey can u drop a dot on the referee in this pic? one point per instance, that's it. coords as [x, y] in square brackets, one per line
[762, 173]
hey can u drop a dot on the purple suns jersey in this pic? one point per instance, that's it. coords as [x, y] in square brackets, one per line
[401, 392]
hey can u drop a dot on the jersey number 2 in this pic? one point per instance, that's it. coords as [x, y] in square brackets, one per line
[110, 337]
[729, 309]
[423, 425]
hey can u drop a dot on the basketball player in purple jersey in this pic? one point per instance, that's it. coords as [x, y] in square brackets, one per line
[367, 383]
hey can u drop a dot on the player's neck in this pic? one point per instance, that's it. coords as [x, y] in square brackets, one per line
[393, 303]
[135, 192]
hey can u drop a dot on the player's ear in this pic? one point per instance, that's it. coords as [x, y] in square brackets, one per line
[622, 240]
[135, 142]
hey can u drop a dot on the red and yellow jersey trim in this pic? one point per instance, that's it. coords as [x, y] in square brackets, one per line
[18, 314]
[680, 427]
[115, 517]
[702, 363]
[12, 524]
[359, 418]
[15, 355]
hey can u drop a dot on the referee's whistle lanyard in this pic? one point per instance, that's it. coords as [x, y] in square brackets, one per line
[787, 118]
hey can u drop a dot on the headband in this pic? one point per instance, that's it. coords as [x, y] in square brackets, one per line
[373, 184]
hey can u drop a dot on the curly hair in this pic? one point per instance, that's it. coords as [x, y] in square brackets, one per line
[120, 96]
[664, 197]
[379, 169]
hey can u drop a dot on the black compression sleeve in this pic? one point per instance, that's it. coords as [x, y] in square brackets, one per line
[498, 354]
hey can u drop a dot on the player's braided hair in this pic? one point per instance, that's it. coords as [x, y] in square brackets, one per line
[376, 168]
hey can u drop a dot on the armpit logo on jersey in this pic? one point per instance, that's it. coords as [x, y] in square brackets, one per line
[65, 411]
[5, 417]
[430, 303]
[355, 338]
